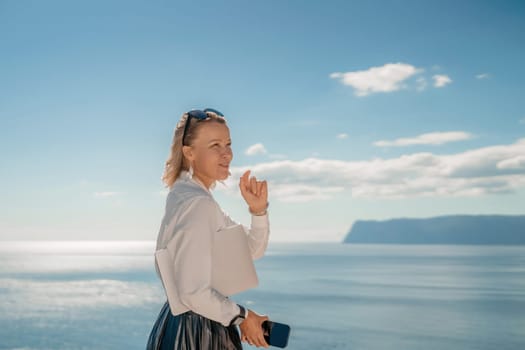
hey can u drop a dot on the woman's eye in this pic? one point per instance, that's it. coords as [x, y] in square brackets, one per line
[219, 145]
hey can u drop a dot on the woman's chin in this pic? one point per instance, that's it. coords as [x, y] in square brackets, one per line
[223, 175]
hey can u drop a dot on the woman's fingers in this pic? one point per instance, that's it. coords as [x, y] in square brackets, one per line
[260, 341]
[244, 178]
[252, 185]
[249, 183]
[264, 189]
[256, 342]
[254, 192]
[244, 184]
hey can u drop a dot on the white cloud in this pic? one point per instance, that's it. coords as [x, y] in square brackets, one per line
[517, 162]
[440, 80]
[342, 136]
[253, 150]
[303, 192]
[106, 194]
[487, 170]
[433, 138]
[387, 78]
[482, 76]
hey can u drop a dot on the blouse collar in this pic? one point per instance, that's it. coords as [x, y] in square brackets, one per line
[185, 176]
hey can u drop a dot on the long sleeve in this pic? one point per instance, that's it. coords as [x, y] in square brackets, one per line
[193, 259]
[258, 234]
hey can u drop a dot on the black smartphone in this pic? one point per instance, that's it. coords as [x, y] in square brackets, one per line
[276, 334]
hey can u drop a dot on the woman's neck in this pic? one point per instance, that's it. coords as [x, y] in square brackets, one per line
[201, 182]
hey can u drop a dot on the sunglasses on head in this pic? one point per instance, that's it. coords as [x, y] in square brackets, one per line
[199, 115]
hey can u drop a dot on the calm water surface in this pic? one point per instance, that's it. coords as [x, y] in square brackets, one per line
[105, 295]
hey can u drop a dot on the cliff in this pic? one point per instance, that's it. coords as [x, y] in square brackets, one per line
[458, 229]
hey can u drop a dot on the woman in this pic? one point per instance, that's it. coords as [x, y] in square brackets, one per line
[201, 155]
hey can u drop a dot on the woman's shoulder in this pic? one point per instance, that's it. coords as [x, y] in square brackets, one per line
[184, 196]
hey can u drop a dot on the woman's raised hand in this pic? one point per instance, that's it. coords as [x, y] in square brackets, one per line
[254, 192]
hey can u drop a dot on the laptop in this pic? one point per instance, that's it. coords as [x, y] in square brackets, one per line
[233, 270]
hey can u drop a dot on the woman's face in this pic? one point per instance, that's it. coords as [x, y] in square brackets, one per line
[210, 153]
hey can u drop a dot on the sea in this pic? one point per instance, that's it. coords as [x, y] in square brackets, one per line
[106, 295]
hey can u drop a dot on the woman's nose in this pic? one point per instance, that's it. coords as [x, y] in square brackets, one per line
[227, 153]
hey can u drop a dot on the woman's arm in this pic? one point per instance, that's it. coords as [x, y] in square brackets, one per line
[255, 193]
[258, 234]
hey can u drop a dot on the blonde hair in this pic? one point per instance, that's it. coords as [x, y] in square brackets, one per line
[176, 161]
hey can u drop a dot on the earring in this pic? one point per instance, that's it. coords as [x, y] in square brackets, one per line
[190, 171]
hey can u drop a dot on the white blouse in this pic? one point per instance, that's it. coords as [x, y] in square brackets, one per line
[192, 218]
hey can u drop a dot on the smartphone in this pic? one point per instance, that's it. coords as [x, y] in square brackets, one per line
[276, 334]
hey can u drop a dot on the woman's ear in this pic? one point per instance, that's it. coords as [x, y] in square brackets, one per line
[187, 152]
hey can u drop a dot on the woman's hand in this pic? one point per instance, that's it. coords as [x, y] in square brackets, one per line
[254, 192]
[251, 329]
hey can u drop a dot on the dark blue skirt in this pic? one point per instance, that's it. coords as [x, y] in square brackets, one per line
[191, 331]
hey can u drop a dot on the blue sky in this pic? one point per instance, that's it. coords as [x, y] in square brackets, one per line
[351, 109]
